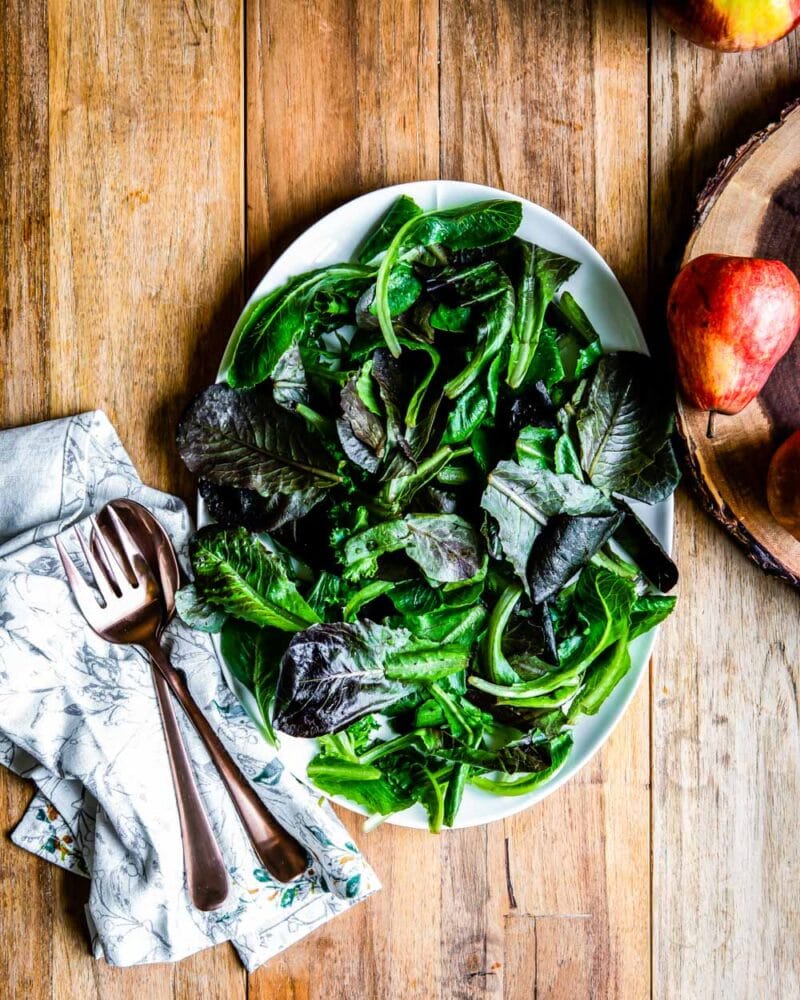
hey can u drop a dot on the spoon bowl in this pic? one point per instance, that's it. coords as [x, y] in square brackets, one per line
[153, 542]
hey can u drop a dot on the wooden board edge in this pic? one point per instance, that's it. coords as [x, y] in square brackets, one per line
[711, 503]
[728, 166]
[716, 507]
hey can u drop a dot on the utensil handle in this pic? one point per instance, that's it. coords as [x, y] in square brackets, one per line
[206, 877]
[276, 848]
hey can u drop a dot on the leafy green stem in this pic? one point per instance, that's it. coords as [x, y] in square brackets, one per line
[456, 719]
[425, 663]
[382, 286]
[390, 746]
[497, 666]
[527, 689]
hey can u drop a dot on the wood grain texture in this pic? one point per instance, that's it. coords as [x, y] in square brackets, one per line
[342, 97]
[147, 240]
[132, 216]
[24, 363]
[24, 381]
[726, 771]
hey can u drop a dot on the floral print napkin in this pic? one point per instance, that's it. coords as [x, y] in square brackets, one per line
[79, 717]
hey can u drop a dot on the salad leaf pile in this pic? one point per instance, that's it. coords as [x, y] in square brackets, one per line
[419, 468]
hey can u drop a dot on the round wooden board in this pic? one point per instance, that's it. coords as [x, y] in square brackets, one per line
[751, 207]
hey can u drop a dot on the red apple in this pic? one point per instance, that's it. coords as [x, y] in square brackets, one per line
[731, 320]
[731, 25]
[783, 485]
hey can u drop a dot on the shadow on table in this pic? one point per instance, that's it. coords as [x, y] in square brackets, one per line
[73, 895]
[263, 249]
[206, 343]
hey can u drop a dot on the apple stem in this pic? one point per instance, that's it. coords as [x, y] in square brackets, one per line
[712, 414]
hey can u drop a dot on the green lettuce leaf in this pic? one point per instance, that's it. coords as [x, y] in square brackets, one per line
[234, 572]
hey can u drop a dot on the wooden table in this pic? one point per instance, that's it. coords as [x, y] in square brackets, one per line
[155, 157]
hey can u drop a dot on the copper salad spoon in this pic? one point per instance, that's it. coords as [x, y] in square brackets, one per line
[206, 876]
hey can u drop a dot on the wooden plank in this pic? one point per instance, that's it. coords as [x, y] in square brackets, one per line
[474, 899]
[137, 178]
[342, 97]
[544, 958]
[24, 367]
[576, 145]
[27, 913]
[26, 910]
[146, 213]
[726, 753]
[145, 277]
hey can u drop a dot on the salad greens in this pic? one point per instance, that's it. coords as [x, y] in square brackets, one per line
[419, 470]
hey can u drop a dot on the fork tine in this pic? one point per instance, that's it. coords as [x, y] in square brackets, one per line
[132, 551]
[104, 584]
[112, 559]
[81, 591]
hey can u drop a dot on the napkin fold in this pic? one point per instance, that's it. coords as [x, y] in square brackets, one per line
[79, 717]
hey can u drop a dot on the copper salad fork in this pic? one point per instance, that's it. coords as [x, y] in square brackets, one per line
[131, 613]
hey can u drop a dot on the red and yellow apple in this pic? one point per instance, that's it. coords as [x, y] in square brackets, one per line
[731, 320]
[731, 25]
[783, 485]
